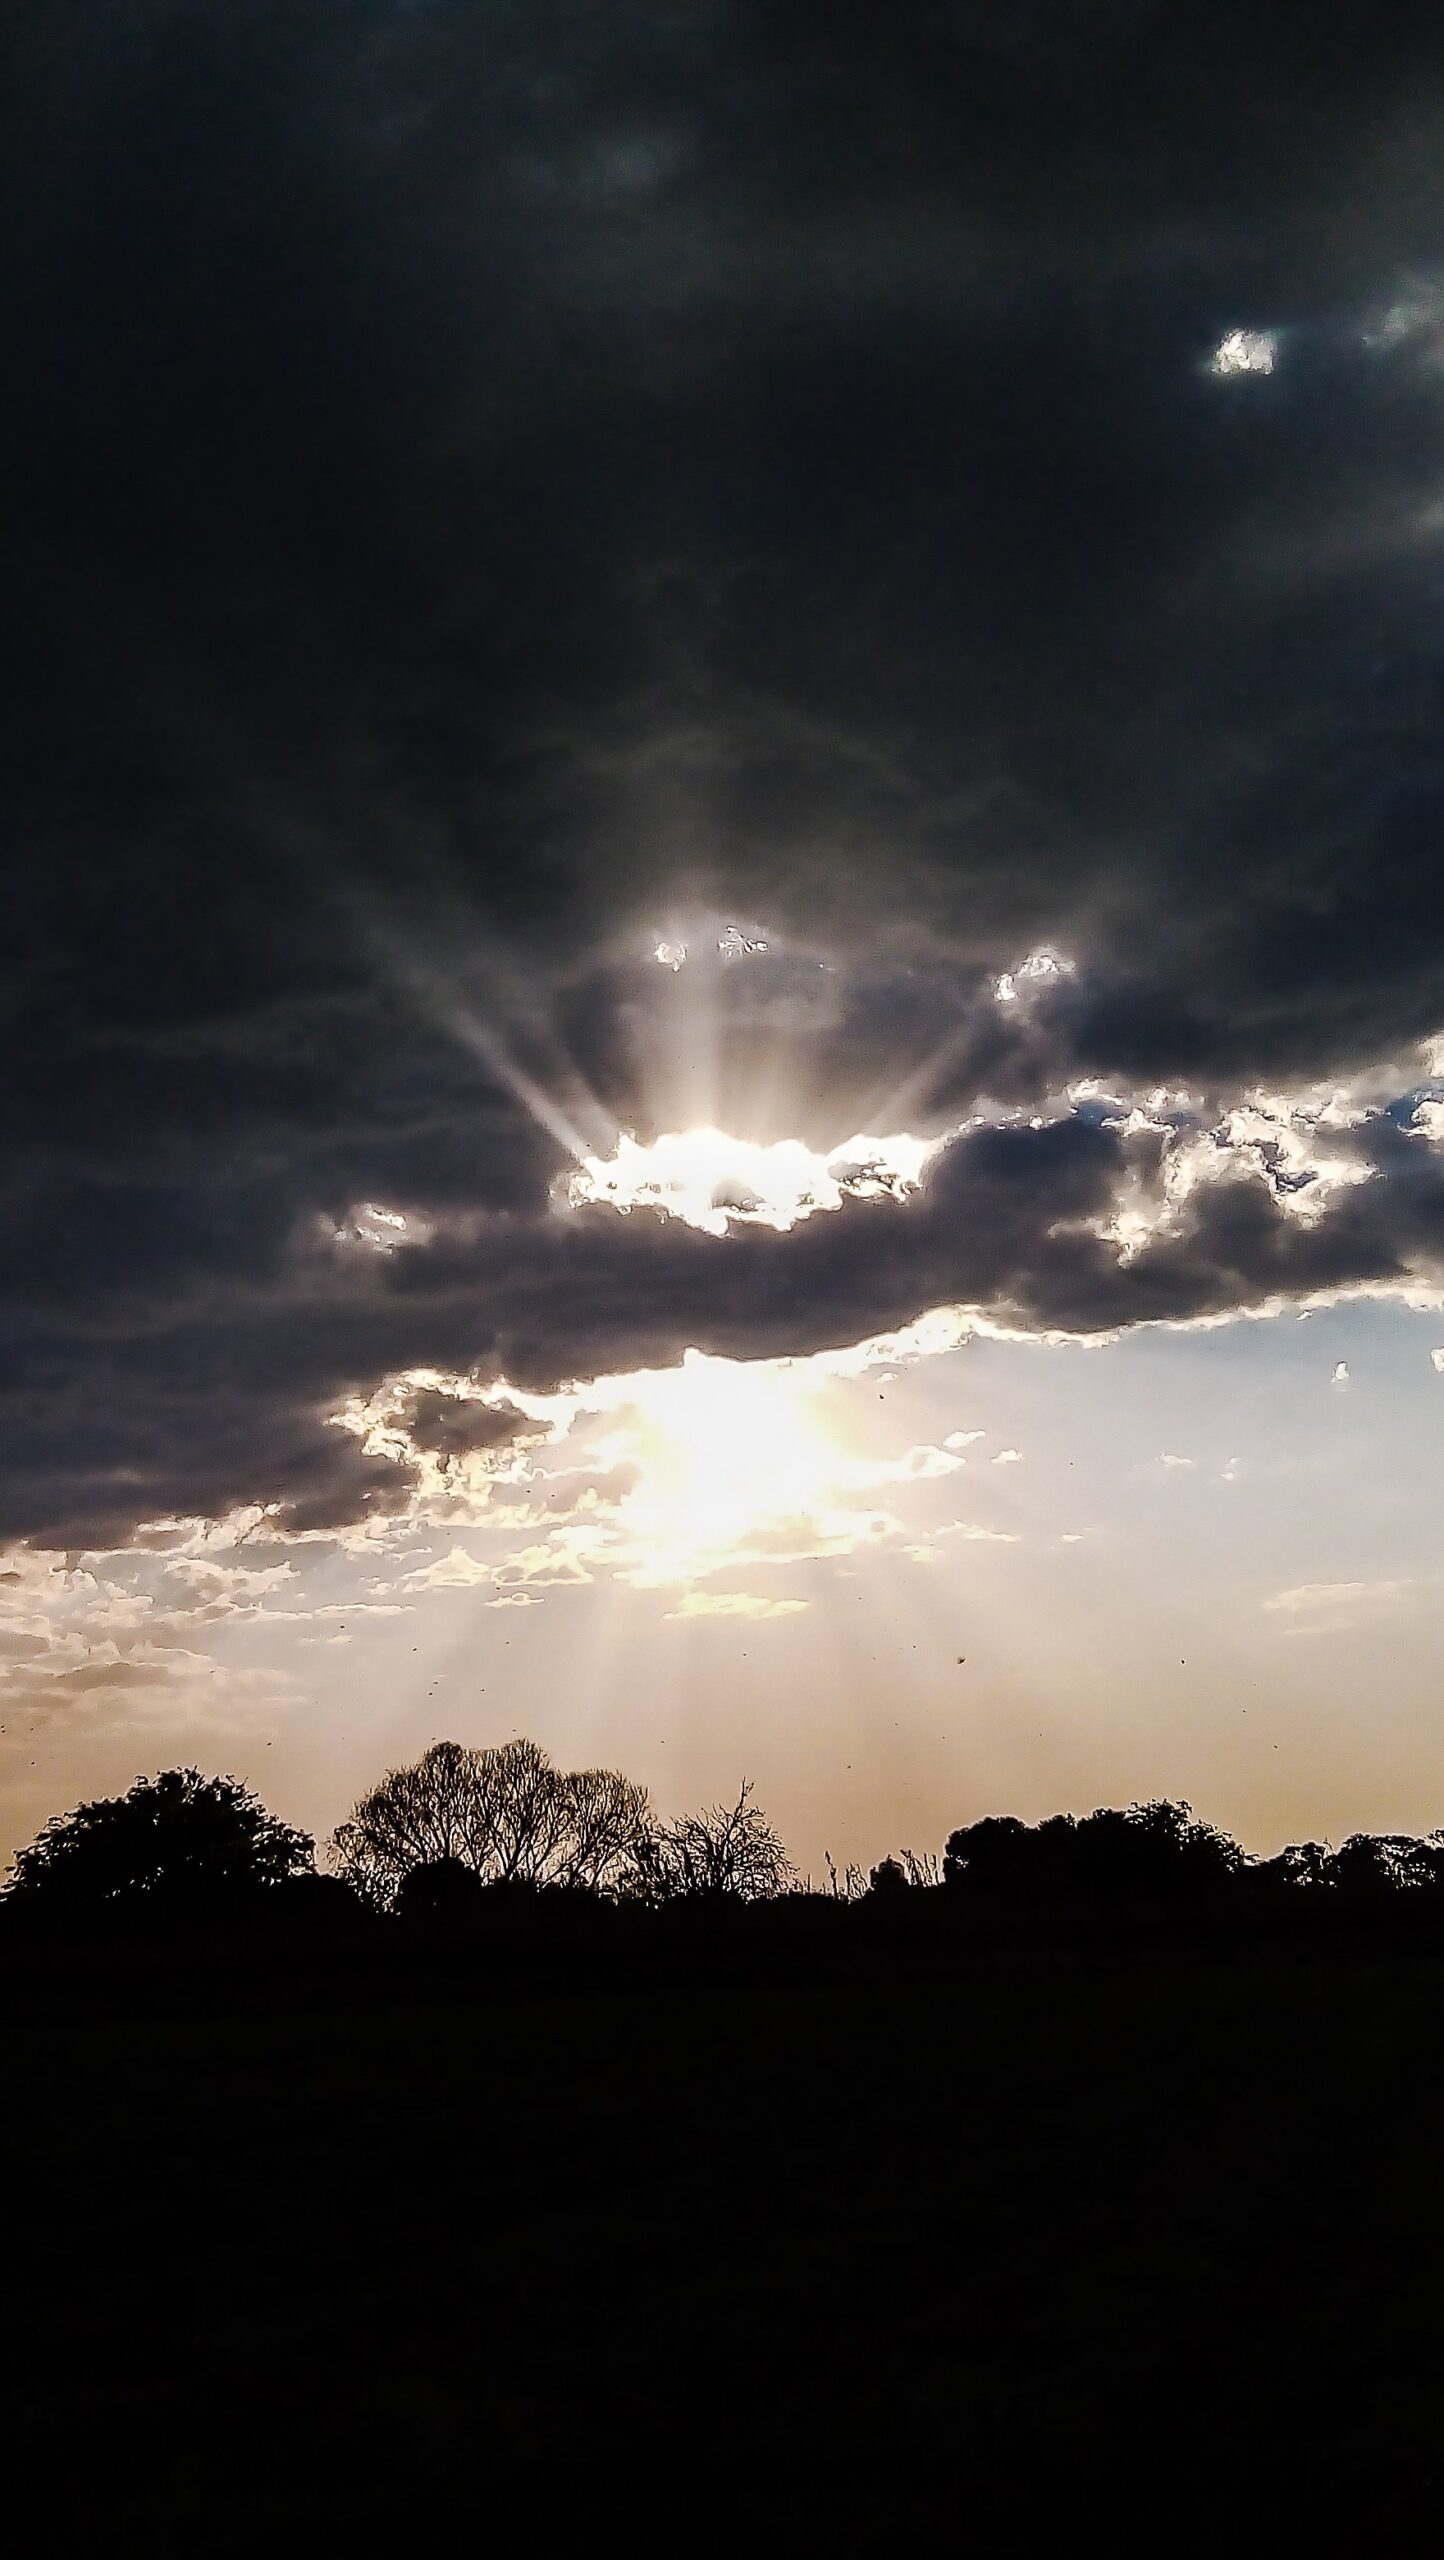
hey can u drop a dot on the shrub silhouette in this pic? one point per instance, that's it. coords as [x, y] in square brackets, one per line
[174, 1844]
[906, 1871]
[1151, 1856]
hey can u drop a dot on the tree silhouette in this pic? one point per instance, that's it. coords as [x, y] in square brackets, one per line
[608, 1816]
[499, 1841]
[1305, 1866]
[504, 1813]
[994, 1852]
[174, 1842]
[1375, 1867]
[432, 1809]
[727, 1853]
[443, 1892]
[1156, 1855]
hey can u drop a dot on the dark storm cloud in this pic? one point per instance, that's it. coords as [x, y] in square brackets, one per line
[491, 483]
[221, 1406]
[453, 1426]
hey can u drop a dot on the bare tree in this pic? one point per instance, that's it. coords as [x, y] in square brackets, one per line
[526, 1800]
[433, 1809]
[504, 1813]
[726, 1852]
[608, 1817]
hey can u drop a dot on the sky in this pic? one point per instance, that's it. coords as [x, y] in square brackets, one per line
[724, 953]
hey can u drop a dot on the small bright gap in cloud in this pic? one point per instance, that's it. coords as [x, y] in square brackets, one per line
[734, 944]
[379, 1230]
[708, 1178]
[1040, 969]
[1245, 351]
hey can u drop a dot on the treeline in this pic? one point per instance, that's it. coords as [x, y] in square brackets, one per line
[470, 1845]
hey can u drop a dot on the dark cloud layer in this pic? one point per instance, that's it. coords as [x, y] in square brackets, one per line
[494, 485]
[203, 1408]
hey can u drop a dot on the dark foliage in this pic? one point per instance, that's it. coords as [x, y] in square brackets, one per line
[442, 1892]
[1068, 2193]
[497, 1848]
[1143, 2255]
[173, 1847]
[1152, 1854]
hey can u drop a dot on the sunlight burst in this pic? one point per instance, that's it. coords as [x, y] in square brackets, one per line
[708, 1178]
[727, 1452]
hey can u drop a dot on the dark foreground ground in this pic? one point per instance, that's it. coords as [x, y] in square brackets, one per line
[1154, 2253]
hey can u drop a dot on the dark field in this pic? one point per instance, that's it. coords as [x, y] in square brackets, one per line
[1148, 2253]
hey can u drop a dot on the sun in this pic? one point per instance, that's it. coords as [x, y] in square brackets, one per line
[738, 1460]
[734, 1461]
[670, 1477]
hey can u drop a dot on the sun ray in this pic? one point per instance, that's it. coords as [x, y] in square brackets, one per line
[496, 1015]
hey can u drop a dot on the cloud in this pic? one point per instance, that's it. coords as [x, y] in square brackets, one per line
[19, 1644]
[568, 1556]
[923, 1464]
[1323, 1608]
[732, 1604]
[449, 1425]
[456, 1571]
[112, 1675]
[1008, 1458]
[204, 1412]
[454, 498]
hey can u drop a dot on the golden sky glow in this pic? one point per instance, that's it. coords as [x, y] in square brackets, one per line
[1001, 1599]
